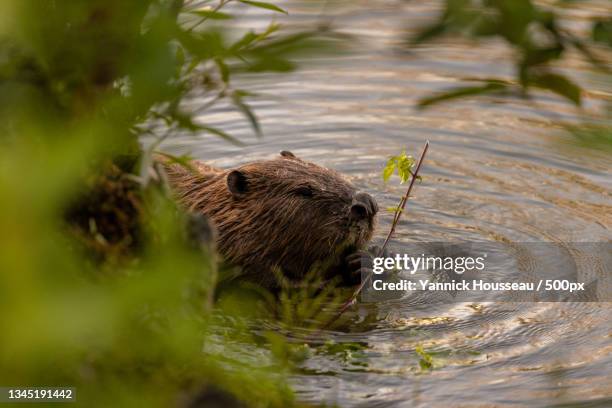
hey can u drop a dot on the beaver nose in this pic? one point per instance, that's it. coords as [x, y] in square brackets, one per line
[363, 206]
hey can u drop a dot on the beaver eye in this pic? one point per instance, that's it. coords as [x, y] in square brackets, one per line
[303, 191]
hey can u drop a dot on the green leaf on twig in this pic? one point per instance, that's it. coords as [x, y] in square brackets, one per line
[221, 134]
[394, 209]
[558, 84]
[460, 92]
[402, 164]
[263, 5]
[602, 32]
[212, 14]
[237, 98]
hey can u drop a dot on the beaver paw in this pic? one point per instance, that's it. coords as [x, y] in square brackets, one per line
[360, 262]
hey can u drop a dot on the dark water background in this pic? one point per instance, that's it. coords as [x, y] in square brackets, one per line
[498, 170]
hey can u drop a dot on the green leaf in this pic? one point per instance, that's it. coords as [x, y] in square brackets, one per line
[212, 14]
[263, 5]
[558, 84]
[330, 347]
[515, 16]
[389, 169]
[602, 32]
[404, 166]
[246, 110]
[243, 42]
[184, 121]
[272, 28]
[539, 56]
[221, 134]
[204, 45]
[426, 362]
[394, 209]
[595, 136]
[461, 92]
[251, 37]
[272, 64]
[223, 69]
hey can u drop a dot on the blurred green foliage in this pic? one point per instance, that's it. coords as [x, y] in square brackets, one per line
[534, 32]
[80, 83]
[541, 42]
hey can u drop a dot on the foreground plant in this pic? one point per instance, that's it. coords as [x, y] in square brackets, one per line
[102, 286]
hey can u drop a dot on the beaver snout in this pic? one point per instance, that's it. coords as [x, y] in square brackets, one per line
[364, 206]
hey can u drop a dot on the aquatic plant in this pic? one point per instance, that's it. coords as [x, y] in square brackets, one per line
[426, 360]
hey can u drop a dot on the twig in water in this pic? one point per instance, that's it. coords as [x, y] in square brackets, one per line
[398, 213]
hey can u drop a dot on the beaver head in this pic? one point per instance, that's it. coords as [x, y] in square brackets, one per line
[282, 213]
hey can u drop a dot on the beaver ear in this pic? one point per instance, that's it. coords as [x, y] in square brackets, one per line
[288, 154]
[237, 183]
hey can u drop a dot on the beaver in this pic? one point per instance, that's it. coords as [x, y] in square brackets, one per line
[284, 214]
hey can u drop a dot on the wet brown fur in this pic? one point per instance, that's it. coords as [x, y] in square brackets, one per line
[275, 223]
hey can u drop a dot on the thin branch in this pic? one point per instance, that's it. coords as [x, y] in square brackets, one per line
[398, 213]
[404, 200]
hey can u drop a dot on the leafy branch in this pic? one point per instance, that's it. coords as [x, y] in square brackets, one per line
[403, 201]
[533, 31]
[403, 164]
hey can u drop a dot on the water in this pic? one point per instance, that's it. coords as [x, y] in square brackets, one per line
[498, 170]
